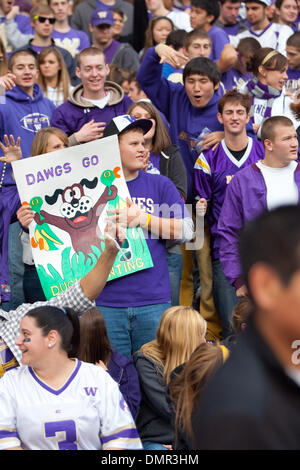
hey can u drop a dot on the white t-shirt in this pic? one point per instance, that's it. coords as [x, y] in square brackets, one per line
[99, 103]
[274, 35]
[87, 413]
[281, 187]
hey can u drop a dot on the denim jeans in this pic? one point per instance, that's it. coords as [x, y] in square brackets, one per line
[174, 261]
[224, 296]
[148, 445]
[16, 266]
[33, 290]
[129, 328]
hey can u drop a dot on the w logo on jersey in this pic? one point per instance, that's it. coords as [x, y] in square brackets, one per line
[90, 391]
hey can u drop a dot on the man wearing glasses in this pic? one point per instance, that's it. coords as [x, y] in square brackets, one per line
[42, 21]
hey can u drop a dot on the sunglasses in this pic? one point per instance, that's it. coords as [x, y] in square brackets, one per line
[42, 19]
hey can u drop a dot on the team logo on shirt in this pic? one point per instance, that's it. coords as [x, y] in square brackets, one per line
[124, 406]
[34, 122]
[90, 391]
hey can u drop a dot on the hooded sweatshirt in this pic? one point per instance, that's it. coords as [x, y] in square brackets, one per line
[76, 111]
[23, 116]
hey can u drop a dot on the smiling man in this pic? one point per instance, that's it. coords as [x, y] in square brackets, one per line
[271, 182]
[213, 171]
[93, 103]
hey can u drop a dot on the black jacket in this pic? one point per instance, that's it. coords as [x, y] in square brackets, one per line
[172, 166]
[251, 404]
[154, 421]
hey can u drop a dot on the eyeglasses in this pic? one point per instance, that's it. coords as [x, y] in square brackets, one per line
[43, 19]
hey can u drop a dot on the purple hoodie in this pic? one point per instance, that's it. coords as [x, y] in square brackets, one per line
[75, 112]
[246, 198]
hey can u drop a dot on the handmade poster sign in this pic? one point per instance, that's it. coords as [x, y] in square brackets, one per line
[71, 191]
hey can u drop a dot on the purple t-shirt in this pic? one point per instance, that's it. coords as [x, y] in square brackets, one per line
[218, 39]
[110, 51]
[235, 79]
[150, 286]
[213, 171]
[154, 164]
[74, 40]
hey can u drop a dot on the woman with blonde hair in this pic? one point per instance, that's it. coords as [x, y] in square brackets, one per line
[180, 331]
[54, 76]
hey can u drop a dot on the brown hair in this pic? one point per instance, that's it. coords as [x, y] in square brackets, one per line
[161, 138]
[17, 53]
[40, 9]
[275, 62]
[243, 309]
[40, 141]
[63, 78]
[233, 96]
[268, 128]
[197, 33]
[180, 330]
[94, 343]
[186, 386]
[149, 39]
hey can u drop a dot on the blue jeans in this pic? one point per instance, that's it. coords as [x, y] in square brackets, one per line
[174, 261]
[148, 445]
[16, 266]
[129, 328]
[224, 297]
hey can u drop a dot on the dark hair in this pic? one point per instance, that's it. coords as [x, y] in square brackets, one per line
[118, 11]
[210, 6]
[18, 52]
[176, 39]
[65, 321]
[149, 39]
[202, 66]
[278, 3]
[197, 33]
[268, 128]
[230, 1]
[243, 309]
[161, 138]
[234, 96]
[94, 342]
[294, 40]
[247, 47]
[272, 238]
[276, 62]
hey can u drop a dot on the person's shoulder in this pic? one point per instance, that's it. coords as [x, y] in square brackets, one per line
[14, 375]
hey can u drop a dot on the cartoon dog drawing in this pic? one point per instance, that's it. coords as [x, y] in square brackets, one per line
[79, 217]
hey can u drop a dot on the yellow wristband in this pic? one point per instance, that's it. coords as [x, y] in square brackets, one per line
[148, 221]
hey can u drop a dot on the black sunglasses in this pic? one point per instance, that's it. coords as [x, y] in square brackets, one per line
[42, 19]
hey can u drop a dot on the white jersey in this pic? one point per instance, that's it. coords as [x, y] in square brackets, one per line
[274, 35]
[87, 413]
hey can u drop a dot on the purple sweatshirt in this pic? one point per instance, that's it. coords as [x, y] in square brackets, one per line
[75, 112]
[246, 198]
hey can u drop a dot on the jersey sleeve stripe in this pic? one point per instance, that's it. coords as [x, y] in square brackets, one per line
[128, 434]
[202, 164]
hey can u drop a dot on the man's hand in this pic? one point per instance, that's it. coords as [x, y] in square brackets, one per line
[25, 215]
[242, 291]
[169, 55]
[201, 207]
[228, 58]
[90, 131]
[130, 216]
[12, 151]
[212, 140]
[7, 81]
[13, 12]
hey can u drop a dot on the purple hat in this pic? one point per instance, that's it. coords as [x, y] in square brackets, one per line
[100, 17]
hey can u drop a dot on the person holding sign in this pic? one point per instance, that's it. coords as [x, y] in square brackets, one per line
[133, 305]
[79, 296]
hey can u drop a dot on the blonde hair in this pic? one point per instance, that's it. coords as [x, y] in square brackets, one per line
[40, 141]
[63, 78]
[180, 331]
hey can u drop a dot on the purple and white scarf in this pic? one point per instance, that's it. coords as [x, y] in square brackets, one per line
[265, 92]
